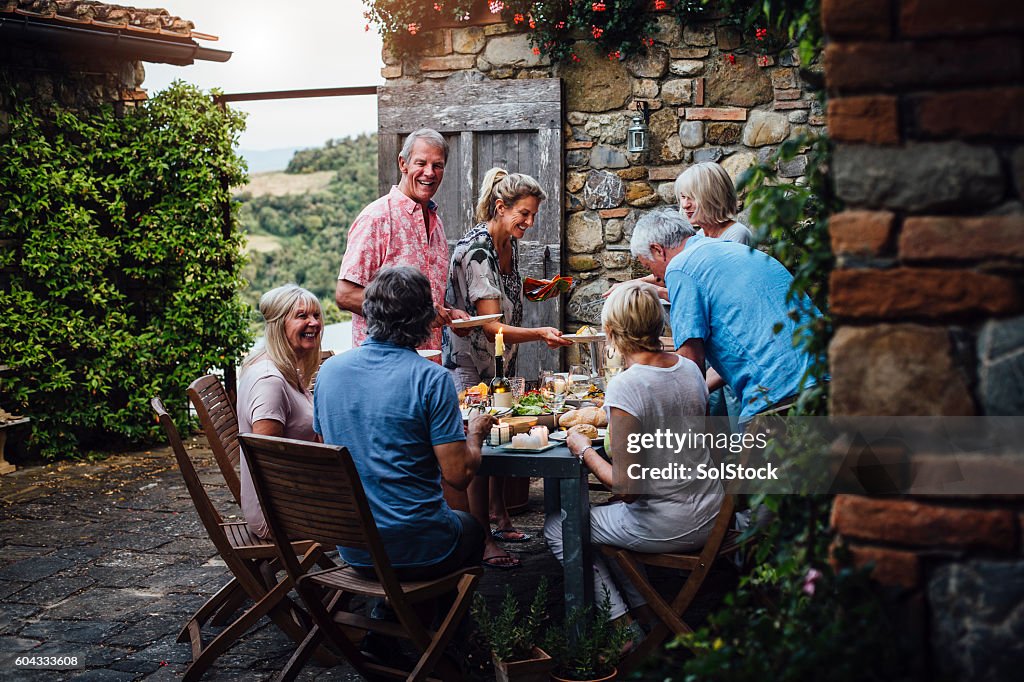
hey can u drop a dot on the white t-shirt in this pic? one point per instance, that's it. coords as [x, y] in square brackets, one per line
[737, 232]
[660, 398]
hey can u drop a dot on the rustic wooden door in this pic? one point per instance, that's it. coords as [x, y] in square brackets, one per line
[513, 124]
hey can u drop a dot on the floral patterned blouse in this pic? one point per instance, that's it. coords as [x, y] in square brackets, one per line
[474, 275]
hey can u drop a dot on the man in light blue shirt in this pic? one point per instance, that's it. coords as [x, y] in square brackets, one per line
[729, 306]
[398, 415]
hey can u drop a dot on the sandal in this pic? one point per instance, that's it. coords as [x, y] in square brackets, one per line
[503, 561]
[510, 535]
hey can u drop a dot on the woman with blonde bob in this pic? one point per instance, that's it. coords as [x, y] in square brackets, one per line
[707, 199]
[484, 279]
[657, 391]
[274, 395]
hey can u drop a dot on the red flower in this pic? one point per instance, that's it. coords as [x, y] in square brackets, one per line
[574, 57]
[437, 7]
[660, 4]
[560, 25]
[533, 24]
[731, 58]
[761, 33]
[496, 6]
[518, 18]
[597, 31]
[598, 7]
[414, 28]
[763, 60]
[649, 42]
[536, 50]
[614, 55]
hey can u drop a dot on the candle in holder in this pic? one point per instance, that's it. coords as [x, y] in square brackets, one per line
[499, 342]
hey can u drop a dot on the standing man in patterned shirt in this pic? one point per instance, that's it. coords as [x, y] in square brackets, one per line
[401, 228]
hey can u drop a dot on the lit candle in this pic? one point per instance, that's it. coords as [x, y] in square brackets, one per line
[499, 342]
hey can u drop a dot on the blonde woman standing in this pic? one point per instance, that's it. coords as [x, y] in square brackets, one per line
[274, 397]
[484, 279]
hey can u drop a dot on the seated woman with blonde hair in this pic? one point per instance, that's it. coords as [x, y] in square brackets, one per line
[655, 392]
[274, 396]
[707, 198]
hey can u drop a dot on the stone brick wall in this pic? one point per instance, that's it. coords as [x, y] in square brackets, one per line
[74, 81]
[925, 104]
[703, 108]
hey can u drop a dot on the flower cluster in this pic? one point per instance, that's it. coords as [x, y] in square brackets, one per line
[555, 27]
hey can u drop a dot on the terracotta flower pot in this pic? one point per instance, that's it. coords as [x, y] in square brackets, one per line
[534, 669]
[607, 678]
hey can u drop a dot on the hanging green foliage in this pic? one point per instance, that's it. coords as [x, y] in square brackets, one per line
[120, 264]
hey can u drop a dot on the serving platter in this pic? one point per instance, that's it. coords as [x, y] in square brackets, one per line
[475, 321]
[507, 447]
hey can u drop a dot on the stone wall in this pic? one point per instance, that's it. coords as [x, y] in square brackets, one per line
[704, 107]
[926, 108]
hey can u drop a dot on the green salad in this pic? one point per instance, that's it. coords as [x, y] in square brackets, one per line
[530, 405]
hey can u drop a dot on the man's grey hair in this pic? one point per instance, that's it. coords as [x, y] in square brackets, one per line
[664, 226]
[428, 135]
[398, 306]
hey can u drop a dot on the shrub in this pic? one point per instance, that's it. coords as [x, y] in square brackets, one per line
[121, 267]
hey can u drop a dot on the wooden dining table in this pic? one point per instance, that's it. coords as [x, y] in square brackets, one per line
[566, 488]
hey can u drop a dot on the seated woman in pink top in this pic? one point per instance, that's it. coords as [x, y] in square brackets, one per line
[274, 395]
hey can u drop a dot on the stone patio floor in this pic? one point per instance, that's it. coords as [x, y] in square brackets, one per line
[106, 560]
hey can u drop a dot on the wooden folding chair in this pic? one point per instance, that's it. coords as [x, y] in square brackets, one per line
[250, 560]
[313, 491]
[721, 542]
[220, 424]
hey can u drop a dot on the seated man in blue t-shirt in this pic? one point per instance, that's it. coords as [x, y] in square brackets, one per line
[729, 306]
[398, 415]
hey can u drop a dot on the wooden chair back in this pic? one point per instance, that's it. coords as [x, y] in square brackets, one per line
[208, 513]
[313, 491]
[220, 424]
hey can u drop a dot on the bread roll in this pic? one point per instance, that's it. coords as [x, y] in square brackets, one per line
[594, 416]
[587, 430]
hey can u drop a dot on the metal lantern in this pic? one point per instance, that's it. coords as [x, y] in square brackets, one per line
[639, 135]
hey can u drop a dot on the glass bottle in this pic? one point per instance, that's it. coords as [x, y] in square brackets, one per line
[501, 387]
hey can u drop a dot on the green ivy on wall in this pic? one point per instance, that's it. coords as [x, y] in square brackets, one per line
[120, 265]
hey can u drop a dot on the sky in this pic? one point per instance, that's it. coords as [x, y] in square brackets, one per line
[284, 46]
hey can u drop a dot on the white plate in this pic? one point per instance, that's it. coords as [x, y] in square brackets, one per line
[428, 353]
[581, 338]
[476, 321]
[560, 436]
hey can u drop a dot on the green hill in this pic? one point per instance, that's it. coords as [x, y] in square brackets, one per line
[307, 211]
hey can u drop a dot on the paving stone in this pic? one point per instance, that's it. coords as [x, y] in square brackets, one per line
[145, 632]
[90, 631]
[33, 569]
[103, 603]
[13, 617]
[103, 675]
[9, 587]
[52, 590]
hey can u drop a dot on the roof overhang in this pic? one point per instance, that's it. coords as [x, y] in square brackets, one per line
[20, 29]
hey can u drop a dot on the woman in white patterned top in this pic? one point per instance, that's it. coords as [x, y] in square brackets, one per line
[484, 279]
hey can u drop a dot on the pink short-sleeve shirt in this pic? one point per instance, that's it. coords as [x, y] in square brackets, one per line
[390, 232]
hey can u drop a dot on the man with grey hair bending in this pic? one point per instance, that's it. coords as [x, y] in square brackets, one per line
[730, 307]
[401, 228]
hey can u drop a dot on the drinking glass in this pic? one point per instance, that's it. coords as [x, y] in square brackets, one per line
[518, 387]
[554, 388]
[580, 381]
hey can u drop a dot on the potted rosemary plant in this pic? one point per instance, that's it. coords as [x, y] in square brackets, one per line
[513, 640]
[594, 651]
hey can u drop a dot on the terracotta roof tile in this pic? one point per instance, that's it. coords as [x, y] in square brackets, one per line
[106, 16]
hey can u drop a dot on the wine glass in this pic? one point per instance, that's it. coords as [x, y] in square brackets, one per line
[553, 387]
[613, 364]
[579, 381]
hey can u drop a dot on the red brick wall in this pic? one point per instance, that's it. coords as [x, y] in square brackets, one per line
[927, 109]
